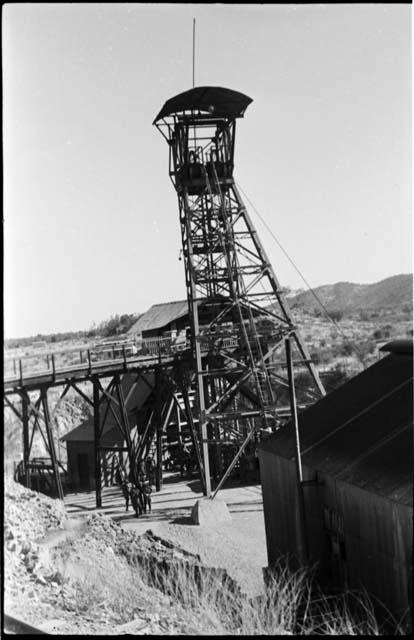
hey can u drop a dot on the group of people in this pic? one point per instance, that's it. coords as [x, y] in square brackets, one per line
[137, 488]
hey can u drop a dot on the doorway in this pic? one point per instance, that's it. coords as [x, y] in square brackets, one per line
[83, 469]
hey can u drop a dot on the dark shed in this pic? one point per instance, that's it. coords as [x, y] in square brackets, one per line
[356, 452]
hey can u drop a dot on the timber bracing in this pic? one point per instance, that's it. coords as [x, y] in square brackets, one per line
[102, 389]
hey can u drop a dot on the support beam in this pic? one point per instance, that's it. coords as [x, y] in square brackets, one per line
[13, 408]
[108, 406]
[303, 543]
[26, 445]
[97, 441]
[81, 393]
[126, 425]
[145, 436]
[233, 463]
[37, 405]
[158, 423]
[51, 444]
[203, 462]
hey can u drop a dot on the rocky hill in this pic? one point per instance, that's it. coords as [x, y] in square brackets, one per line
[395, 293]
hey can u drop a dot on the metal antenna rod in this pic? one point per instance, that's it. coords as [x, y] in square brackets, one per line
[193, 50]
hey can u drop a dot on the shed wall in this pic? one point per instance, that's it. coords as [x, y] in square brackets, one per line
[378, 539]
[279, 501]
[74, 449]
[358, 538]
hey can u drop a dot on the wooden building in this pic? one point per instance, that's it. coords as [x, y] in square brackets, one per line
[160, 318]
[170, 318]
[356, 451]
[80, 441]
[81, 457]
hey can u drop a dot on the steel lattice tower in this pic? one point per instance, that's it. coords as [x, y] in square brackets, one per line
[239, 315]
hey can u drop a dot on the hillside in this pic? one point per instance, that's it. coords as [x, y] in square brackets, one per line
[395, 293]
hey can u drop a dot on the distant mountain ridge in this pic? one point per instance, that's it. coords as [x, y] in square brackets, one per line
[394, 292]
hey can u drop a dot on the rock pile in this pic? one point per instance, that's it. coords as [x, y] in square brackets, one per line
[100, 578]
[28, 515]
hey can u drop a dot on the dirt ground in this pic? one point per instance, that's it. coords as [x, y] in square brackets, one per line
[239, 545]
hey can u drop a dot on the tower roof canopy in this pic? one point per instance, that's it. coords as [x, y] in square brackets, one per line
[218, 101]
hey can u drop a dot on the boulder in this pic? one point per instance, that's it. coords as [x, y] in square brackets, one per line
[207, 512]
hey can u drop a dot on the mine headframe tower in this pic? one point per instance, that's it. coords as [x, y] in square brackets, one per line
[239, 315]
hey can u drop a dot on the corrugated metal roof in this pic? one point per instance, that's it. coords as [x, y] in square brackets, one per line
[135, 393]
[399, 346]
[361, 433]
[112, 437]
[160, 315]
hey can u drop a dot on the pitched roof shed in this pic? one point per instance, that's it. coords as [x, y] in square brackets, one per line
[160, 315]
[361, 433]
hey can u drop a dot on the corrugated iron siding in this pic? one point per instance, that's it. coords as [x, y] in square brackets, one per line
[378, 542]
[362, 432]
[279, 505]
[359, 539]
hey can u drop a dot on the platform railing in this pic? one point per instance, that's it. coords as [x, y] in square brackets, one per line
[89, 356]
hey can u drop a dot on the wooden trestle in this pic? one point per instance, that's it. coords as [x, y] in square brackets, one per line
[27, 396]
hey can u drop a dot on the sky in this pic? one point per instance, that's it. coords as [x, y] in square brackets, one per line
[91, 225]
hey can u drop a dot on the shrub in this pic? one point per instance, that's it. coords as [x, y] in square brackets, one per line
[289, 606]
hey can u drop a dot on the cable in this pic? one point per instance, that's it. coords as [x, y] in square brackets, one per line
[336, 325]
[194, 23]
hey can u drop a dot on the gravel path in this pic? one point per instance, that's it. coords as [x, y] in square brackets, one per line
[238, 546]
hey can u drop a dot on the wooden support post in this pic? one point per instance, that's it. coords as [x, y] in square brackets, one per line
[217, 448]
[180, 434]
[302, 538]
[97, 441]
[51, 444]
[26, 445]
[126, 427]
[158, 423]
[233, 463]
[189, 415]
